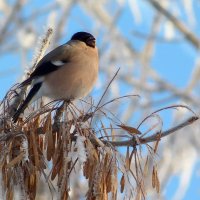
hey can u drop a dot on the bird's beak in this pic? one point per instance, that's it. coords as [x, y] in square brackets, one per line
[91, 42]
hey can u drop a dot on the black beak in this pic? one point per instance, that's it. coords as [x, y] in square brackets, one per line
[91, 42]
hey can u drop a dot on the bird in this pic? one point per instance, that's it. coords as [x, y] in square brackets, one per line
[68, 72]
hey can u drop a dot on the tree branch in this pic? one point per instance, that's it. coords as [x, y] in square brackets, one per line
[177, 23]
[134, 141]
[157, 136]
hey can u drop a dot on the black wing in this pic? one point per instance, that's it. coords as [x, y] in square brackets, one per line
[46, 65]
[43, 69]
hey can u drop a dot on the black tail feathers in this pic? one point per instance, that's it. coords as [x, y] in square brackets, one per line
[23, 106]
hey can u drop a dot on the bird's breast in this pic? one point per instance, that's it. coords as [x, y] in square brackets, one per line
[74, 80]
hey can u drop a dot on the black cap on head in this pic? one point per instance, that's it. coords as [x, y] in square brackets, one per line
[84, 37]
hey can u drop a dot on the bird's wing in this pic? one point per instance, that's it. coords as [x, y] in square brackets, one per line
[49, 63]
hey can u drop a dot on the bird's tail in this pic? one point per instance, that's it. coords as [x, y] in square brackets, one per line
[23, 106]
[25, 82]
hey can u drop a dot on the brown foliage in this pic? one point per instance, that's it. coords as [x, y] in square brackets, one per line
[63, 135]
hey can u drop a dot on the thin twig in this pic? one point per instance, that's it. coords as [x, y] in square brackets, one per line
[185, 123]
[165, 108]
[106, 89]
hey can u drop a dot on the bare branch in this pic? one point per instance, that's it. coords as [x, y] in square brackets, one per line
[157, 136]
[177, 23]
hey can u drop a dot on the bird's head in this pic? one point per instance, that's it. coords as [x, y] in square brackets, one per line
[85, 37]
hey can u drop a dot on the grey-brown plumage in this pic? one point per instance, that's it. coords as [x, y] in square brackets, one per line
[68, 72]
